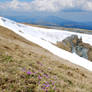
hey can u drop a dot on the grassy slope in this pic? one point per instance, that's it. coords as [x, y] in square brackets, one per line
[26, 67]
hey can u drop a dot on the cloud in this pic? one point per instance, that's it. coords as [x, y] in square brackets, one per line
[83, 4]
[51, 5]
[88, 6]
[16, 5]
[47, 5]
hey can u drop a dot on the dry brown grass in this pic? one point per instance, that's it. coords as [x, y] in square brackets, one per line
[19, 56]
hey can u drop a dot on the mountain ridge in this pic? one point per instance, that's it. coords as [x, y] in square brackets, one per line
[53, 21]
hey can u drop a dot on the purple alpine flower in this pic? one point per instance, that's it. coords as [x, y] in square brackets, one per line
[29, 73]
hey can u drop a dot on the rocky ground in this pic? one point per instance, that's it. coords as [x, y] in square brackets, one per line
[76, 45]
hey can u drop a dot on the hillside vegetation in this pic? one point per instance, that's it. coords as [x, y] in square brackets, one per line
[26, 67]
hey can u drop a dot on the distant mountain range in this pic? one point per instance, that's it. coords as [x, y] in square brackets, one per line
[53, 21]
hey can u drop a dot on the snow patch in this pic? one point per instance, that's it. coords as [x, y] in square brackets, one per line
[44, 37]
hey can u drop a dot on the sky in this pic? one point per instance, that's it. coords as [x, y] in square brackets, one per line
[78, 10]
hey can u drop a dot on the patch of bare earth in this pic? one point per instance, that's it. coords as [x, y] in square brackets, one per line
[26, 67]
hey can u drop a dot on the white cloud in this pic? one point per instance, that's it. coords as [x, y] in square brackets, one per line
[88, 6]
[47, 5]
[52, 5]
[16, 5]
[83, 4]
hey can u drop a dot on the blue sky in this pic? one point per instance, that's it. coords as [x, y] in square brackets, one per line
[77, 10]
